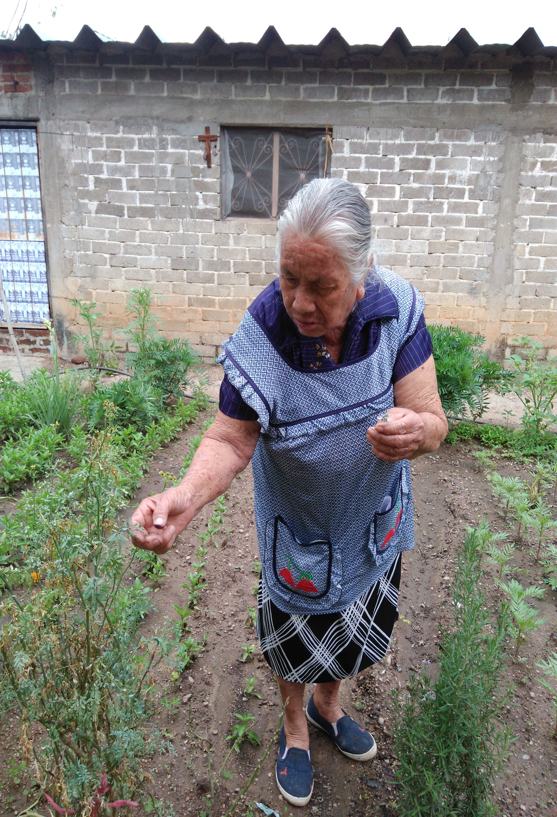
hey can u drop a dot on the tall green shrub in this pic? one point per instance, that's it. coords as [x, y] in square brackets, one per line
[465, 374]
[449, 736]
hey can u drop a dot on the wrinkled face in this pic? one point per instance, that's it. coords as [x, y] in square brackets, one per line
[317, 290]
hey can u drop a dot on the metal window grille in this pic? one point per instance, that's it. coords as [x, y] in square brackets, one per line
[22, 248]
[262, 168]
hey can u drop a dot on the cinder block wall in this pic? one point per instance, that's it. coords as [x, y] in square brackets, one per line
[459, 168]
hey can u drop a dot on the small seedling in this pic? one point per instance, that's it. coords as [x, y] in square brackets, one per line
[250, 689]
[550, 567]
[541, 521]
[171, 704]
[501, 557]
[507, 489]
[251, 620]
[484, 537]
[523, 615]
[484, 459]
[520, 507]
[248, 651]
[185, 655]
[154, 566]
[241, 732]
[194, 584]
[507, 414]
[183, 614]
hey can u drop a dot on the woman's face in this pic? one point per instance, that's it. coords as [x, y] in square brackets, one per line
[317, 291]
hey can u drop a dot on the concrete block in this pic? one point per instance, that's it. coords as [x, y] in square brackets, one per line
[321, 92]
[216, 291]
[388, 94]
[249, 267]
[422, 94]
[371, 78]
[250, 91]
[234, 279]
[202, 302]
[290, 91]
[476, 79]
[353, 94]
[216, 91]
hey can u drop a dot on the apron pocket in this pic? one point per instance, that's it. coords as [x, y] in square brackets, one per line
[386, 526]
[303, 569]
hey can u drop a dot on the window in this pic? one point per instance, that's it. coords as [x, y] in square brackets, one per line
[22, 249]
[262, 168]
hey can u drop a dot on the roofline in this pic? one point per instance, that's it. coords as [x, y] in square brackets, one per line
[332, 50]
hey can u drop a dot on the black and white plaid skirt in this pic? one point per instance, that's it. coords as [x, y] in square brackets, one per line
[332, 646]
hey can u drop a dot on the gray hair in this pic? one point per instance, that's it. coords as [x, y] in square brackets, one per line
[334, 211]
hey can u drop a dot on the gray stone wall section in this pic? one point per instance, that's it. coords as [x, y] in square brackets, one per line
[458, 165]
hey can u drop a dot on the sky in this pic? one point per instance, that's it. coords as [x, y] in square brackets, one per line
[425, 22]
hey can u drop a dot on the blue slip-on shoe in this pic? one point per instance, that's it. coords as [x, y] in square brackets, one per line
[294, 773]
[353, 740]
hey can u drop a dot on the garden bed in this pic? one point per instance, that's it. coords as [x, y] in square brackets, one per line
[197, 711]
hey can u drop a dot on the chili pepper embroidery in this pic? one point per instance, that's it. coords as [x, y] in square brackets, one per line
[392, 531]
[304, 583]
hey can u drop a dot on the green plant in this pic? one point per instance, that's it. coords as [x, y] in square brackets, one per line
[250, 688]
[95, 351]
[484, 536]
[248, 652]
[541, 521]
[153, 566]
[215, 522]
[549, 566]
[70, 656]
[508, 490]
[193, 446]
[135, 403]
[485, 459]
[241, 732]
[29, 456]
[465, 375]
[535, 385]
[52, 399]
[12, 407]
[501, 557]
[165, 363]
[550, 668]
[251, 620]
[450, 738]
[183, 614]
[142, 325]
[65, 650]
[524, 616]
[195, 583]
[184, 653]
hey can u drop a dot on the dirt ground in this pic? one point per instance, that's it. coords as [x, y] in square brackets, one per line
[450, 493]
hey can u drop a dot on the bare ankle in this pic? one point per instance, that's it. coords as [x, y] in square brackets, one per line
[328, 707]
[297, 734]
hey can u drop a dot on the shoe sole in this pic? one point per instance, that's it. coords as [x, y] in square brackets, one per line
[294, 801]
[362, 758]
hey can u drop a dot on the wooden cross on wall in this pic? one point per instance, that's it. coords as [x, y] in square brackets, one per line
[207, 138]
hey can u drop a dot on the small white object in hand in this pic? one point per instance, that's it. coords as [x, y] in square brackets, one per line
[385, 417]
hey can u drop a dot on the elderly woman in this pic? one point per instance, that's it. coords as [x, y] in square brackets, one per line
[329, 389]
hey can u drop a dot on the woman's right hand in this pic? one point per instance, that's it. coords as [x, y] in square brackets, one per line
[159, 519]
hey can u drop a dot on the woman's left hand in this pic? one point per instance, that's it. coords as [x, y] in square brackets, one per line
[400, 438]
[417, 423]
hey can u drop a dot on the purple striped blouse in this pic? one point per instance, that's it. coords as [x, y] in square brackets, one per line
[309, 354]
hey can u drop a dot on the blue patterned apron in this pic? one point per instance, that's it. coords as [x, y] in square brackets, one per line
[330, 515]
